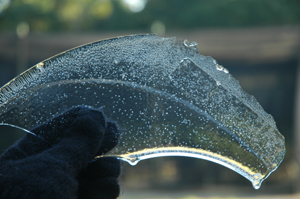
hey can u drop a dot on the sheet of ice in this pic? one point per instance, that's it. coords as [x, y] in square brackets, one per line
[170, 100]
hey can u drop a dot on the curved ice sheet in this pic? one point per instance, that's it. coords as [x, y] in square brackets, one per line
[169, 99]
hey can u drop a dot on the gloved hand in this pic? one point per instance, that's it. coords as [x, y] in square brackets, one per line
[64, 168]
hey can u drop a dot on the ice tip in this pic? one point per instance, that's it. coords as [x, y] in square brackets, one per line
[132, 161]
[256, 184]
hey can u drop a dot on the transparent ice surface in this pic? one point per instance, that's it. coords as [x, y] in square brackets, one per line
[170, 100]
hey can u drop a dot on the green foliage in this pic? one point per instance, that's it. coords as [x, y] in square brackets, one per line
[93, 15]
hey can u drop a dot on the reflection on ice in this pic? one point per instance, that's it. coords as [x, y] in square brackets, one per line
[134, 158]
[171, 100]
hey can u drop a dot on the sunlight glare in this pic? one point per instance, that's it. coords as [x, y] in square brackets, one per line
[135, 5]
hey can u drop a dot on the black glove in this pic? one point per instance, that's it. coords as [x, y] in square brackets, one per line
[64, 165]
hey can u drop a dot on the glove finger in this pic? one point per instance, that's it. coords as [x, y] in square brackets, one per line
[53, 130]
[88, 122]
[81, 141]
[102, 168]
[104, 188]
[48, 132]
[111, 138]
[27, 146]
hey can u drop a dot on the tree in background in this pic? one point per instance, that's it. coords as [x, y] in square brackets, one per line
[108, 15]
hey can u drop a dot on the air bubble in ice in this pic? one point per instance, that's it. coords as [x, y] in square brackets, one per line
[116, 61]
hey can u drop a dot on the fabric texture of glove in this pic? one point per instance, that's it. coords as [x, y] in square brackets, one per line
[64, 165]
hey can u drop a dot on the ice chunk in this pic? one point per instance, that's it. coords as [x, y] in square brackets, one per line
[171, 100]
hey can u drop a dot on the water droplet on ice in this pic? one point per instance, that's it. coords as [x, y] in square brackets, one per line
[256, 184]
[190, 44]
[132, 161]
[219, 67]
[225, 70]
[256, 181]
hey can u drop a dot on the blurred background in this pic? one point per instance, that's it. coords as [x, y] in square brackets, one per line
[257, 41]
